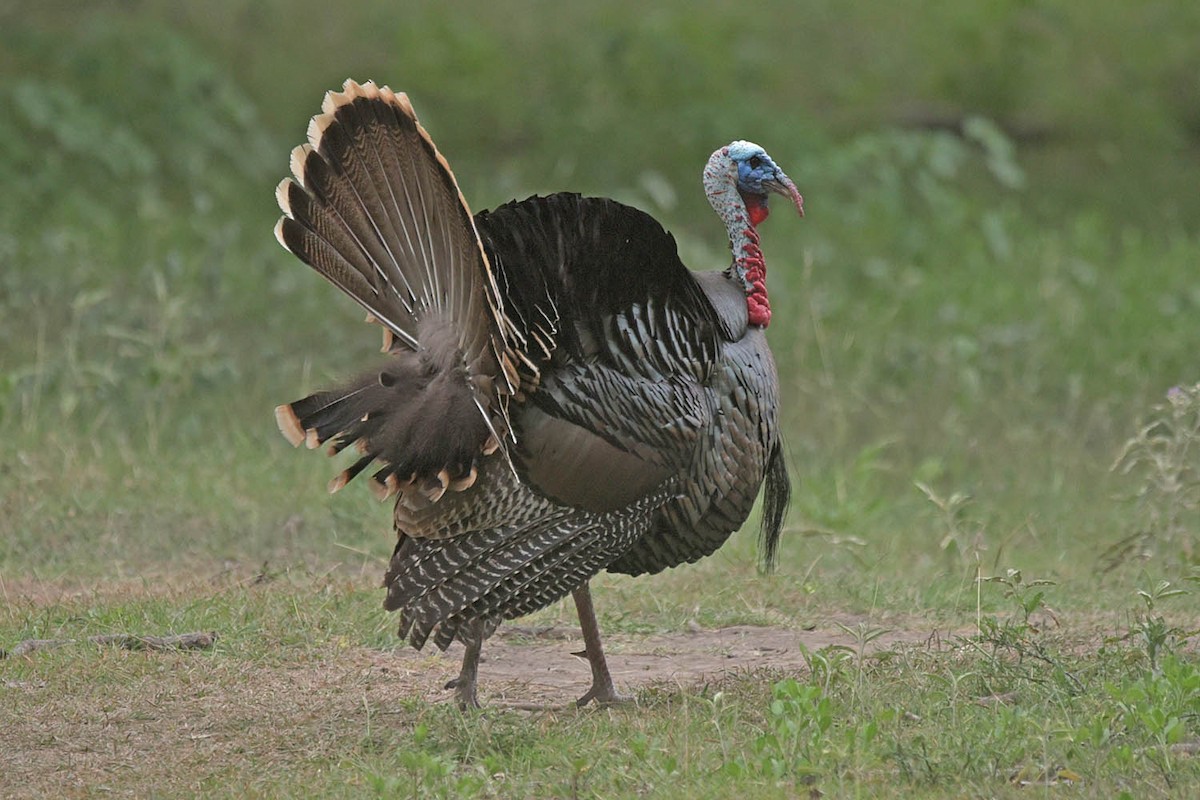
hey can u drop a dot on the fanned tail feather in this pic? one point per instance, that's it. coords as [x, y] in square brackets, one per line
[374, 208]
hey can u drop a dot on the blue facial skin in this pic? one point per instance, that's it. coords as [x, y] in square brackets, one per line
[754, 167]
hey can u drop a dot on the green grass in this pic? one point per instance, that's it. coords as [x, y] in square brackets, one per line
[993, 289]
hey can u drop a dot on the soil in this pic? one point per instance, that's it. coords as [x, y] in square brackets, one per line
[166, 728]
[168, 721]
[524, 666]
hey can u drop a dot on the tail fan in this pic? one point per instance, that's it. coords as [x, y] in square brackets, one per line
[374, 208]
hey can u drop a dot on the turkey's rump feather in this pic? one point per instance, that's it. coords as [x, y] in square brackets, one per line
[438, 585]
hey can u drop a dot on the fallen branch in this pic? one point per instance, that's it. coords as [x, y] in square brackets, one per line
[128, 641]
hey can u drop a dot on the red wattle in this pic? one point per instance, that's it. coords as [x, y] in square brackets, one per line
[754, 272]
[759, 312]
[756, 207]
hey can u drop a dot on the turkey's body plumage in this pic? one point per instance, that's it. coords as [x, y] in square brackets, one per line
[729, 468]
[632, 453]
[562, 396]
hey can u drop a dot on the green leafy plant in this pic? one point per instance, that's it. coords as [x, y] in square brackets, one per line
[1029, 596]
[798, 722]
[1151, 629]
[1161, 709]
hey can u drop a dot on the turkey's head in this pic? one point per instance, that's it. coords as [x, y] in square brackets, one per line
[757, 177]
[738, 179]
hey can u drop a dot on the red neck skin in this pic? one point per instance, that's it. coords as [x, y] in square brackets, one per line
[749, 263]
[741, 214]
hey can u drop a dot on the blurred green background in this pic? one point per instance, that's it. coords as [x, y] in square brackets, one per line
[996, 277]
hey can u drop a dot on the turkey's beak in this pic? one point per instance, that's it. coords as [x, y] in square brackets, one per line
[782, 184]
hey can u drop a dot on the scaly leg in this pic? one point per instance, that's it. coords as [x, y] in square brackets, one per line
[602, 691]
[464, 684]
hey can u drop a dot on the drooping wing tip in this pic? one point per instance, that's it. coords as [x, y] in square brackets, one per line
[289, 424]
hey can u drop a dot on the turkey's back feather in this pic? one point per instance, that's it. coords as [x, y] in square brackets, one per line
[620, 402]
[592, 265]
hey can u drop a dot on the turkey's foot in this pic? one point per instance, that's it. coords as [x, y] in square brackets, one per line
[603, 698]
[465, 692]
[464, 685]
[602, 693]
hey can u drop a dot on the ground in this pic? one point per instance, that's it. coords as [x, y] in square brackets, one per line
[181, 712]
[308, 692]
[524, 666]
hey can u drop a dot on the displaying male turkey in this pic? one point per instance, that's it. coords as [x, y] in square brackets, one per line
[561, 395]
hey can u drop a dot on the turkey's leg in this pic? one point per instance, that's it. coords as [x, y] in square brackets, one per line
[464, 684]
[602, 691]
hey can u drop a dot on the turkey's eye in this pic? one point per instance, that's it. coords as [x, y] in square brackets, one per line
[755, 162]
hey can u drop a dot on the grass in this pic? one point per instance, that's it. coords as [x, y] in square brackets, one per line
[986, 307]
[299, 698]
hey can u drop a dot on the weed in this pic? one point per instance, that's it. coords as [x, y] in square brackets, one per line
[960, 539]
[1151, 629]
[799, 719]
[1017, 653]
[1027, 595]
[1159, 710]
[1165, 456]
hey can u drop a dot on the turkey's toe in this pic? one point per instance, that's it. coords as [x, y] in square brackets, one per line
[464, 692]
[603, 696]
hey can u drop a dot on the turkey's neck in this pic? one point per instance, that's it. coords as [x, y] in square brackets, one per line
[741, 216]
[748, 268]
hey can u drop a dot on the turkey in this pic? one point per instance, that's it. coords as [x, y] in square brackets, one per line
[560, 395]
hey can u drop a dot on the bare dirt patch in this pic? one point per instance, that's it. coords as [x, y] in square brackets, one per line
[181, 722]
[528, 666]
